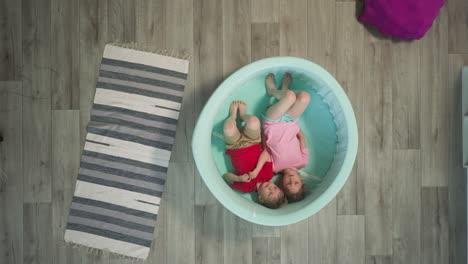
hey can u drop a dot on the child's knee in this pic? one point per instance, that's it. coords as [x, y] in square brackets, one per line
[253, 123]
[290, 96]
[303, 97]
[230, 127]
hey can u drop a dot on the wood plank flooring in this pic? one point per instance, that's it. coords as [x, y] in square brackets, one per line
[405, 201]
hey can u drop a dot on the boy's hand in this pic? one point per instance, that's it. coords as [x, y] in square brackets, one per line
[243, 178]
[253, 174]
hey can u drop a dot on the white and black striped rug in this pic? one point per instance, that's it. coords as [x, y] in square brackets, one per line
[126, 155]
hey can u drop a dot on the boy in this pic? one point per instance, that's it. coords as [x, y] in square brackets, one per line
[252, 165]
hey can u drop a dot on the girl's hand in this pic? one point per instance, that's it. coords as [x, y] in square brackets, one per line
[243, 178]
[301, 138]
[300, 134]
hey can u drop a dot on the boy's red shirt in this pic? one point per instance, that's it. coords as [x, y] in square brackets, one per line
[244, 161]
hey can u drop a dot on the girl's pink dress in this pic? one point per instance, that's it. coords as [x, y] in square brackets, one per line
[284, 146]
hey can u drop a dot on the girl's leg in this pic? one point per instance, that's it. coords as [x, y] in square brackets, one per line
[285, 96]
[231, 132]
[300, 105]
[287, 78]
[252, 124]
[271, 86]
[277, 110]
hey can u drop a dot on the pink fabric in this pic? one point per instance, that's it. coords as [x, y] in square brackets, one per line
[406, 19]
[284, 146]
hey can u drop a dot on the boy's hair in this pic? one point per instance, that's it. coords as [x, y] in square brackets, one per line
[282, 201]
[296, 197]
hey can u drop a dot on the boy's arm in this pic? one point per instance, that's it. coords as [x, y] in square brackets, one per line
[231, 178]
[264, 157]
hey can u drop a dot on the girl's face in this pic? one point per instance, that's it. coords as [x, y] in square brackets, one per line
[268, 191]
[291, 181]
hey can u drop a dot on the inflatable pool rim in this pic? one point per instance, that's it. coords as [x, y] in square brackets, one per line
[203, 133]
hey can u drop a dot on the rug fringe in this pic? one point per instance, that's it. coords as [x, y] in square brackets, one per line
[99, 252]
[149, 48]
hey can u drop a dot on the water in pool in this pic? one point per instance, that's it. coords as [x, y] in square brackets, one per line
[316, 123]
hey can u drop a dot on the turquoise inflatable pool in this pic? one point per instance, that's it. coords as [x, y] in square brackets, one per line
[328, 123]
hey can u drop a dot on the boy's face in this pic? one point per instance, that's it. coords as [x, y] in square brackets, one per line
[268, 191]
[291, 181]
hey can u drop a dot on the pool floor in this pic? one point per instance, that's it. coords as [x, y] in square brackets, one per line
[316, 123]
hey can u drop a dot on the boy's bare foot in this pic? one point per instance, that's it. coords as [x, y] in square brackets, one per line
[242, 110]
[270, 84]
[233, 110]
[287, 78]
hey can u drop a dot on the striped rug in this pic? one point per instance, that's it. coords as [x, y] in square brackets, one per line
[126, 155]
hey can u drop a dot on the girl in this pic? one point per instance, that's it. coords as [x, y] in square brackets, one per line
[284, 139]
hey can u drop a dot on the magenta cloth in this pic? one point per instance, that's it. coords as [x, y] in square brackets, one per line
[407, 19]
[284, 146]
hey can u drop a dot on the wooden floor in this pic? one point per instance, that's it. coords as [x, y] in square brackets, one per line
[405, 201]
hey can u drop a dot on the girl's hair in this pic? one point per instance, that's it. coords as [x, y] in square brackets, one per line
[282, 201]
[292, 197]
[300, 195]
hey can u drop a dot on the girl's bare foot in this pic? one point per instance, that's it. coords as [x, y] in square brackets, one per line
[270, 84]
[233, 110]
[242, 110]
[287, 78]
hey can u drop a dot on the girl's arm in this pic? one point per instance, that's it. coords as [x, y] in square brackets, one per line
[264, 157]
[304, 150]
[301, 138]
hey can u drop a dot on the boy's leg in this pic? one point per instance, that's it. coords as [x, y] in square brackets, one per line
[300, 105]
[252, 124]
[252, 127]
[231, 132]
